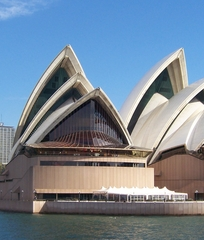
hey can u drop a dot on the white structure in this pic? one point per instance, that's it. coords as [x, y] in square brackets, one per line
[6, 142]
[71, 140]
[164, 113]
[141, 194]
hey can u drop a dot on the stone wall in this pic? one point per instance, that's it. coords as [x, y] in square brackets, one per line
[116, 208]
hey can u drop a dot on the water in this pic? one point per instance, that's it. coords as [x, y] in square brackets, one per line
[29, 226]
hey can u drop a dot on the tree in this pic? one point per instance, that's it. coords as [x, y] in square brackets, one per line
[2, 168]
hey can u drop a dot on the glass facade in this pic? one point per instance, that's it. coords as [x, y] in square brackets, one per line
[161, 85]
[72, 93]
[200, 96]
[88, 125]
[55, 82]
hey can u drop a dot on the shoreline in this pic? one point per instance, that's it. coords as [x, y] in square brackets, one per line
[106, 208]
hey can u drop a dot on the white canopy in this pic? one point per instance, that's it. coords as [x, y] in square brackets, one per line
[149, 193]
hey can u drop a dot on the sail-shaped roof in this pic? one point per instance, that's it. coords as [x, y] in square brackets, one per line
[102, 118]
[63, 67]
[161, 114]
[180, 122]
[167, 78]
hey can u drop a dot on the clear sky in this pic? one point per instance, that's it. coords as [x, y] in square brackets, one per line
[116, 42]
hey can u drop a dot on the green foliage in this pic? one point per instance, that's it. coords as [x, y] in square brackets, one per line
[2, 168]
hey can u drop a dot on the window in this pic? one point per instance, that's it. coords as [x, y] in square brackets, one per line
[88, 125]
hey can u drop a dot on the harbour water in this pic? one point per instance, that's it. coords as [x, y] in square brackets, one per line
[49, 226]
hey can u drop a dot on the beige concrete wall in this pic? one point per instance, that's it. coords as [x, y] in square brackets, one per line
[114, 208]
[181, 173]
[88, 179]
[19, 178]
[26, 175]
[109, 208]
[16, 206]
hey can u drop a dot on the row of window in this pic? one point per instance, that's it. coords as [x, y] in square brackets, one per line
[94, 164]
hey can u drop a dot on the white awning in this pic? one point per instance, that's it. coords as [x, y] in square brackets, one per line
[135, 191]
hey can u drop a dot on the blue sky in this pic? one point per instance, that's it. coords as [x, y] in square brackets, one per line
[116, 41]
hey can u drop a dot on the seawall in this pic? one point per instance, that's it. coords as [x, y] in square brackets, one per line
[105, 208]
[120, 208]
[16, 206]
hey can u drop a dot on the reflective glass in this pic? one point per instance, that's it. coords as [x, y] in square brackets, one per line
[200, 96]
[88, 125]
[55, 82]
[72, 93]
[161, 85]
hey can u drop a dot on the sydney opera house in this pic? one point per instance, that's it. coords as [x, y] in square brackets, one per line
[71, 141]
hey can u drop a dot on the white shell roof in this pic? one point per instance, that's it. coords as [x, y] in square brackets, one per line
[185, 130]
[162, 118]
[163, 124]
[152, 109]
[67, 108]
[177, 70]
[77, 81]
[66, 59]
